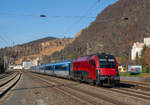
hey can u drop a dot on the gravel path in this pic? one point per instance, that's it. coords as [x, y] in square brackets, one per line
[125, 97]
[32, 92]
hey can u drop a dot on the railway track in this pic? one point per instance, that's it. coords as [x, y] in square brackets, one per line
[65, 91]
[10, 82]
[132, 92]
[6, 75]
[136, 82]
[81, 95]
[138, 85]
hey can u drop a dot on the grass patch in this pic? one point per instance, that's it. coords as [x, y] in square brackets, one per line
[134, 75]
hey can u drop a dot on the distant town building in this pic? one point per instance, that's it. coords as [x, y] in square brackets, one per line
[28, 64]
[16, 67]
[138, 47]
[25, 64]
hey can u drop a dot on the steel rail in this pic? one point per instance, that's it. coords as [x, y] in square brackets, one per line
[136, 82]
[66, 92]
[7, 81]
[10, 84]
[132, 93]
[5, 75]
[94, 95]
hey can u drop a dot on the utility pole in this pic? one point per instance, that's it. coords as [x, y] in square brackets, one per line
[62, 56]
[5, 62]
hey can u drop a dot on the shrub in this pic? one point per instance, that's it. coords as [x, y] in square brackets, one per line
[146, 70]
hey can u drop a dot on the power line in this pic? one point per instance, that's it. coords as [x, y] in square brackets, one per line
[123, 18]
[98, 1]
[5, 58]
[81, 18]
[4, 40]
[47, 16]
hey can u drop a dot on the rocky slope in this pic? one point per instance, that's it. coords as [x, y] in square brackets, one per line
[114, 31]
[34, 49]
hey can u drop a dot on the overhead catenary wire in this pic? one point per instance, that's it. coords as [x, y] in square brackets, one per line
[119, 18]
[76, 22]
[47, 16]
[81, 18]
[4, 40]
[5, 58]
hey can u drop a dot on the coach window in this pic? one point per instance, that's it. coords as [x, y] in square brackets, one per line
[61, 67]
[49, 68]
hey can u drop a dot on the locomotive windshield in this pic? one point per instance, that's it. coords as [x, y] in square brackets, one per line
[107, 63]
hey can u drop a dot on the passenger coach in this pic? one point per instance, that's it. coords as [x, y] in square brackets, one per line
[59, 69]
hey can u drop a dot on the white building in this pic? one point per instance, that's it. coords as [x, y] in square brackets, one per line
[147, 41]
[138, 47]
[136, 50]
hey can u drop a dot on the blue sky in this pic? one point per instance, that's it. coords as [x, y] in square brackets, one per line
[20, 20]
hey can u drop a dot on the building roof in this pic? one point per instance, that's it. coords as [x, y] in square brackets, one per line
[138, 45]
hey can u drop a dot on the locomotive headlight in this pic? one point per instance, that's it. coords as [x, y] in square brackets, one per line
[117, 78]
[98, 71]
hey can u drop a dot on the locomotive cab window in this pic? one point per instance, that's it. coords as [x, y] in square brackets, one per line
[107, 63]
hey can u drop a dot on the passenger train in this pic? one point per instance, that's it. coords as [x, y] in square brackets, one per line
[100, 69]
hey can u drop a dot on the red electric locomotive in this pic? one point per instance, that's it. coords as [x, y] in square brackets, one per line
[97, 69]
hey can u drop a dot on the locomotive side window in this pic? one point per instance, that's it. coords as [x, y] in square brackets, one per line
[107, 63]
[93, 62]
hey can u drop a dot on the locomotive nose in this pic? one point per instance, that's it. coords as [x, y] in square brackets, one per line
[108, 71]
